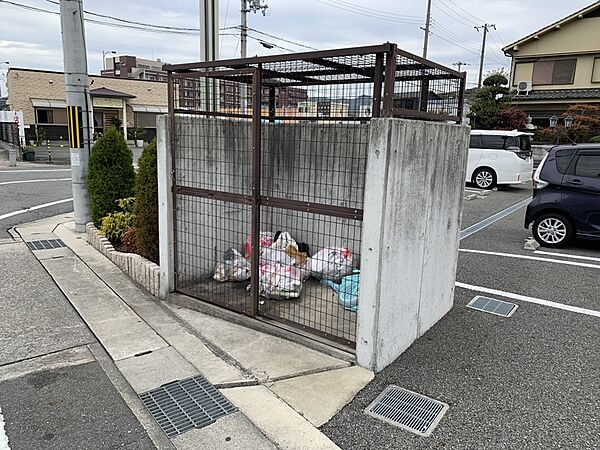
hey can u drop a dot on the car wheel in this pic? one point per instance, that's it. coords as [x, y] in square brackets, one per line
[484, 178]
[552, 230]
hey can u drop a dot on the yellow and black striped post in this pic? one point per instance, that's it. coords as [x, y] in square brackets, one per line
[75, 126]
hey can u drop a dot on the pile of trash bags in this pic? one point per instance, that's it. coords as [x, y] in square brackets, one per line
[285, 265]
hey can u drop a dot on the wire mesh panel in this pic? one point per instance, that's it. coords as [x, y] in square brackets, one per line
[269, 159]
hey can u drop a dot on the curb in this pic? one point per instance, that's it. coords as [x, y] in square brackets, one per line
[142, 271]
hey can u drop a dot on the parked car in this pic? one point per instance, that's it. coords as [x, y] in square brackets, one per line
[499, 157]
[566, 196]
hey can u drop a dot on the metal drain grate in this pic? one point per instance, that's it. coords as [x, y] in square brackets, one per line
[408, 410]
[183, 405]
[492, 306]
[47, 244]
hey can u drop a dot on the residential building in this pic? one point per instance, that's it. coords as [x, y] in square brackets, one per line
[40, 94]
[558, 65]
[127, 66]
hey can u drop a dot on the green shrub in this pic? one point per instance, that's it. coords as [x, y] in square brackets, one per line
[130, 241]
[146, 207]
[111, 175]
[595, 140]
[115, 224]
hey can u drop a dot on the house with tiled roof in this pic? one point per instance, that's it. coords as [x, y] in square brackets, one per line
[558, 65]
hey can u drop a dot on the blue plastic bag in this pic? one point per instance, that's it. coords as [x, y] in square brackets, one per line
[347, 290]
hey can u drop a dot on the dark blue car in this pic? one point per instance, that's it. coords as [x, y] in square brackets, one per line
[566, 196]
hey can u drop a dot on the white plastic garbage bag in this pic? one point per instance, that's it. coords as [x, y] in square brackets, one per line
[330, 263]
[266, 240]
[233, 268]
[279, 281]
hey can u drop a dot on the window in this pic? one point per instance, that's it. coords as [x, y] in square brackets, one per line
[563, 158]
[52, 116]
[596, 71]
[559, 71]
[475, 141]
[145, 119]
[588, 166]
[493, 142]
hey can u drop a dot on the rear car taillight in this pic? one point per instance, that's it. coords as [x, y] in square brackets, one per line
[538, 183]
[523, 155]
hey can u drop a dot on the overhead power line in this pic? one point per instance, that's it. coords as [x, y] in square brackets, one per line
[381, 15]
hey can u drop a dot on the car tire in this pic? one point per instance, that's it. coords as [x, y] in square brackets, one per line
[553, 230]
[485, 178]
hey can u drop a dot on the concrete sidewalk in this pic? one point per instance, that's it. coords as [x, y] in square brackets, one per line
[283, 391]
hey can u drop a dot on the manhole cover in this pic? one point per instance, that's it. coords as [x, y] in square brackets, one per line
[183, 405]
[492, 306]
[47, 244]
[408, 410]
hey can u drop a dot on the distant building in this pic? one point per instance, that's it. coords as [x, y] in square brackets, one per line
[40, 94]
[127, 66]
[557, 66]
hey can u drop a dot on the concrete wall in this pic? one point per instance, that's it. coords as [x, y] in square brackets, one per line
[313, 162]
[413, 199]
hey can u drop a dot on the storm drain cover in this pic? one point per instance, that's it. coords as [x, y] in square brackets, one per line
[47, 244]
[408, 410]
[183, 405]
[492, 306]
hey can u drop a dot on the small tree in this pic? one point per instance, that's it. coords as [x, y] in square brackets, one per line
[513, 118]
[489, 101]
[111, 176]
[146, 209]
[586, 124]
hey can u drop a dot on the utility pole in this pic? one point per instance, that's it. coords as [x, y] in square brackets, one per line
[460, 64]
[209, 30]
[78, 105]
[246, 7]
[427, 26]
[485, 27]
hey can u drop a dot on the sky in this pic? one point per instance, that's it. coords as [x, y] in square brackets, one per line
[32, 39]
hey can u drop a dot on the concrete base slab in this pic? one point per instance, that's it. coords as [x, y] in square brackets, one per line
[152, 370]
[267, 357]
[232, 432]
[119, 329]
[280, 423]
[318, 397]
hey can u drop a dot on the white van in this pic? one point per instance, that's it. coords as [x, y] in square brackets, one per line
[499, 157]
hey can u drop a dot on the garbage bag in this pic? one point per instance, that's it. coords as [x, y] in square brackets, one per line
[279, 281]
[347, 290]
[233, 268]
[330, 263]
[266, 240]
[272, 255]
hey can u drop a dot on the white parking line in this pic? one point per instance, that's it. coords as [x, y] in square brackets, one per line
[493, 218]
[532, 258]
[29, 170]
[3, 437]
[524, 298]
[32, 181]
[34, 208]
[565, 255]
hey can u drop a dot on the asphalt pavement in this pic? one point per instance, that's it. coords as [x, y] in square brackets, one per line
[35, 186]
[527, 382]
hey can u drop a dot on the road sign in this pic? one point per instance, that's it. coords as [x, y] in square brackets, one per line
[75, 126]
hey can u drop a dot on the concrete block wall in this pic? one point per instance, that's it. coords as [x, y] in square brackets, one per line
[142, 271]
[413, 200]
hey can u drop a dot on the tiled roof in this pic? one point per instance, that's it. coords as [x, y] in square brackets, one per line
[561, 94]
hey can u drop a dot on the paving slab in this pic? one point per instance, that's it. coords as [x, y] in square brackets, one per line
[119, 329]
[318, 397]
[152, 370]
[232, 432]
[278, 421]
[165, 323]
[267, 357]
[36, 317]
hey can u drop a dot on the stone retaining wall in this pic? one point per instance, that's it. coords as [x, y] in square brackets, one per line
[142, 271]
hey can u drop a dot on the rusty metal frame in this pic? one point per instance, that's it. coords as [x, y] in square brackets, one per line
[257, 72]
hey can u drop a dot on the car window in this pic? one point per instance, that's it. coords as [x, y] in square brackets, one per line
[563, 158]
[588, 166]
[493, 142]
[525, 143]
[475, 141]
[512, 142]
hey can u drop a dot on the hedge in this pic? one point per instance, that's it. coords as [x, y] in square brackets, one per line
[146, 207]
